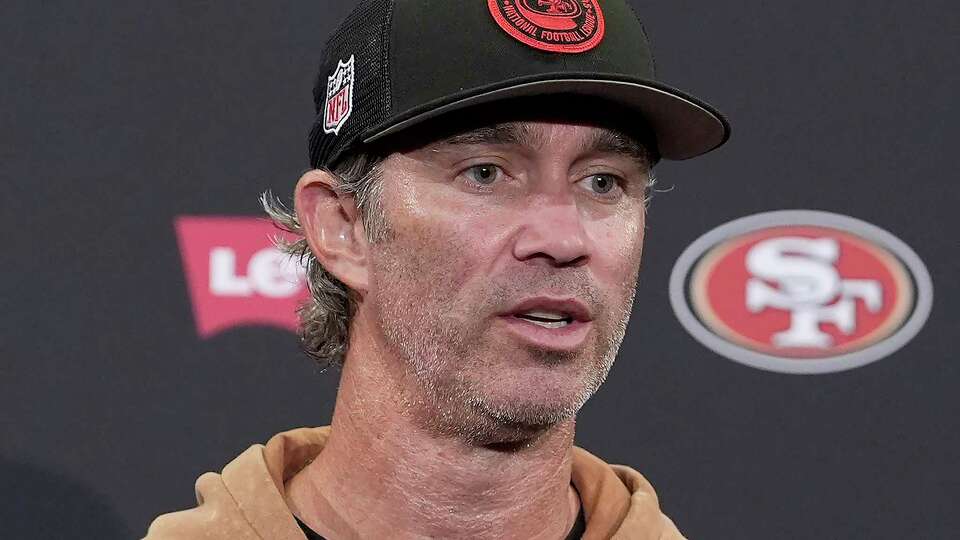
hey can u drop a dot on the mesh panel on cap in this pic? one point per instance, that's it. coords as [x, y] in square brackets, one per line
[365, 35]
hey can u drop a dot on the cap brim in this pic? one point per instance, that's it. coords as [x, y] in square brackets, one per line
[685, 126]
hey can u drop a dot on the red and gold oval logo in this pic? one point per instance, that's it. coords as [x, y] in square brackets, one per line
[801, 291]
[563, 26]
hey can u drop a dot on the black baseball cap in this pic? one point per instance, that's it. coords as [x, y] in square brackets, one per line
[394, 64]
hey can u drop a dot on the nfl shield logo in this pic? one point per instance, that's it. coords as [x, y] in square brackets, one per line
[339, 102]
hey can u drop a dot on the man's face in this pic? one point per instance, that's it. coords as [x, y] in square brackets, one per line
[506, 277]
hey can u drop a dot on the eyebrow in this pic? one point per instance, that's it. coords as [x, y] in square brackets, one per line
[615, 142]
[604, 140]
[508, 133]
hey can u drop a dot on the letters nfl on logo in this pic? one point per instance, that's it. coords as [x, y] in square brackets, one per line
[339, 101]
[801, 291]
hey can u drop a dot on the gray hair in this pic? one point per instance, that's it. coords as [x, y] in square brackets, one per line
[325, 318]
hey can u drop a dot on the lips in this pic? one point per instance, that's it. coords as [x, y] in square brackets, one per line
[544, 309]
[549, 323]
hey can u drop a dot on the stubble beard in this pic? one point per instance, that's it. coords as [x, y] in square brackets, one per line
[439, 340]
[438, 344]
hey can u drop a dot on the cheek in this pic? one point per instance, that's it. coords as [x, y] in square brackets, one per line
[618, 247]
[443, 239]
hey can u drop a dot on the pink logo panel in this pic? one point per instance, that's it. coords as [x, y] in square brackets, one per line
[235, 276]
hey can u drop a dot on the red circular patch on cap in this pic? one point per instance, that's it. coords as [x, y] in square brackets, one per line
[562, 26]
[744, 305]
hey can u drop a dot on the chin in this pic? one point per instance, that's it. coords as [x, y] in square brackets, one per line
[518, 424]
[533, 405]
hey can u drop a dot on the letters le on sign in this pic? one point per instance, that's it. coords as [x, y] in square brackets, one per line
[235, 276]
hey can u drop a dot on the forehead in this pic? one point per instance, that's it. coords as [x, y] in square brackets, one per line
[538, 123]
[540, 135]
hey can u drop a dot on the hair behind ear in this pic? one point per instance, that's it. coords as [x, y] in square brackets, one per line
[325, 317]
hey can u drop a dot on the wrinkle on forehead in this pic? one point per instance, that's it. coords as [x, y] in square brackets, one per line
[533, 136]
[518, 133]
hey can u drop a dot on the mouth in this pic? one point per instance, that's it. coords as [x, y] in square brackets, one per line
[551, 312]
[546, 319]
[550, 323]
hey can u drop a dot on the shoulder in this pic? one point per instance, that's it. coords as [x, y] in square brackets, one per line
[245, 501]
[215, 517]
[622, 497]
[645, 508]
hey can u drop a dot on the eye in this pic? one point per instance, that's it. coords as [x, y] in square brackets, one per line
[601, 184]
[484, 174]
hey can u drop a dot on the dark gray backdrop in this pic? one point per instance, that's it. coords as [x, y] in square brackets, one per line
[118, 116]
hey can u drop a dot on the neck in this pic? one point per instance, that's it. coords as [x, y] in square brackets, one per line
[383, 474]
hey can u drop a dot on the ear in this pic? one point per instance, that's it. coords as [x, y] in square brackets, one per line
[333, 229]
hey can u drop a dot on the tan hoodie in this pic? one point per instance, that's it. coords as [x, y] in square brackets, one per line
[245, 501]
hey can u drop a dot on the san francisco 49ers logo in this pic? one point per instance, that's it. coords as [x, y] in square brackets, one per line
[801, 291]
[564, 26]
[339, 102]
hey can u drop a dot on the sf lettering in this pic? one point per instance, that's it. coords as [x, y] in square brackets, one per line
[809, 286]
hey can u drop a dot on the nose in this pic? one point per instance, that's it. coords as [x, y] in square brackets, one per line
[552, 232]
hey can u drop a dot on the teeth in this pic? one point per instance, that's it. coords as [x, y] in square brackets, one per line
[555, 324]
[546, 319]
[552, 315]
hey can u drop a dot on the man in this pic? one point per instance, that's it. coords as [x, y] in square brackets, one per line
[472, 231]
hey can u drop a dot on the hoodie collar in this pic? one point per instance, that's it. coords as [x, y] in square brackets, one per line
[617, 501]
